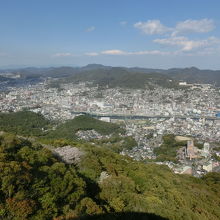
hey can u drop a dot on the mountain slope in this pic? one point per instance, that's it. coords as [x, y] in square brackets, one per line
[23, 123]
[121, 77]
[35, 184]
[195, 75]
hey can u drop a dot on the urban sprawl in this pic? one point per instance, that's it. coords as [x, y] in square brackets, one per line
[191, 112]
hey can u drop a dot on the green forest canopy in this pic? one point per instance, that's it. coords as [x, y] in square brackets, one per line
[84, 122]
[34, 184]
[33, 124]
[23, 123]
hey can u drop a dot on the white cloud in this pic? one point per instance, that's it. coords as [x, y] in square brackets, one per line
[62, 55]
[194, 26]
[145, 52]
[113, 52]
[90, 29]
[188, 45]
[92, 54]
[151, 52]
[178, 45]
[152, 27]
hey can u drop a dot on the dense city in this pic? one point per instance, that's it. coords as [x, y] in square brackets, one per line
[190, 112]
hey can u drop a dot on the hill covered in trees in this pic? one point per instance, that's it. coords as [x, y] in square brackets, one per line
[195, 75]
[121, 77]
[35, 184]
[24, 123]
[32, 124]
[28, 123]
[69, 128]
[118, 76]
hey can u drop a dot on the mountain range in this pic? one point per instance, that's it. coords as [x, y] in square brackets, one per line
[134, 77]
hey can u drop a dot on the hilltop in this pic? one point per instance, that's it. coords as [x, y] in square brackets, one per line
[69, 128]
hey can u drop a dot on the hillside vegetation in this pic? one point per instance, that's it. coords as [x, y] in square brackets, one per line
[83, 122]
[24, 123]
[34, 184]
[120, 77]
[33, 124]
[168, 150]
[195, 75]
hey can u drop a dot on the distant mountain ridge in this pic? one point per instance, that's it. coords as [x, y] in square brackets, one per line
[106, 74]
[195, 75]
[121, 77]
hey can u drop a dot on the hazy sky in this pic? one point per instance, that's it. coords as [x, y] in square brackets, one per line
[145, 33]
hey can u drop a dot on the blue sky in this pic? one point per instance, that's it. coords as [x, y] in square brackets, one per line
[145, 33]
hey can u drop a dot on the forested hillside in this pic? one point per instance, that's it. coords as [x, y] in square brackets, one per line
[32, 124]
[69, 128]
[120, 76]
[24, 123]
[35, 184]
